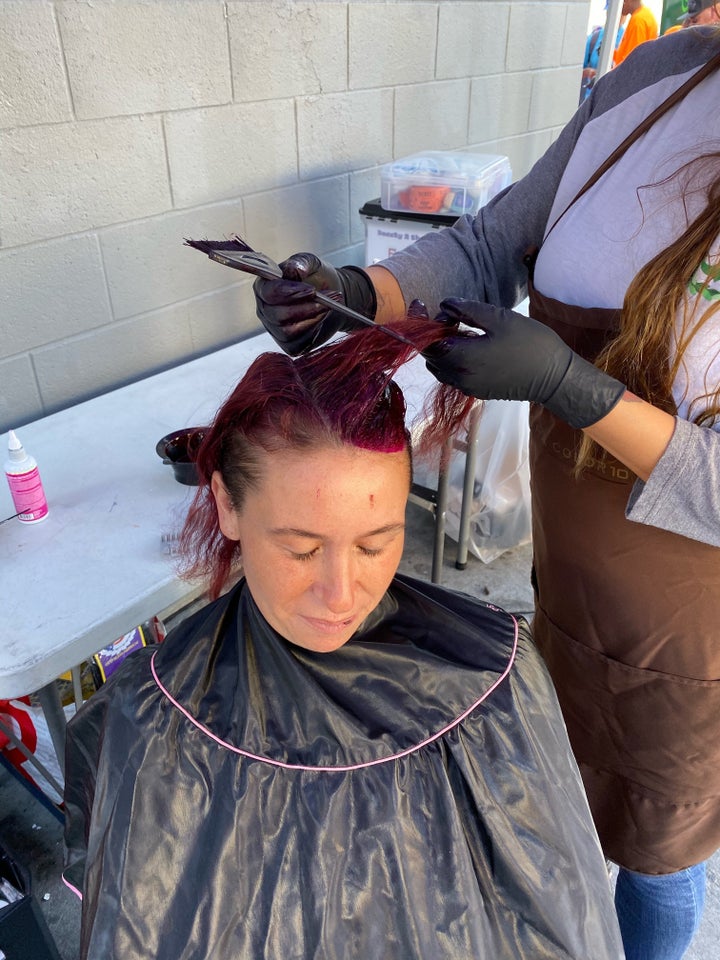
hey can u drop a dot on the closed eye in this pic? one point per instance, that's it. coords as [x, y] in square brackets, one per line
[388, 535]
[365, 551]
[305, 556]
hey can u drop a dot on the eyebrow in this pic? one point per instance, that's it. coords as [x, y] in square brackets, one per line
[295, 532]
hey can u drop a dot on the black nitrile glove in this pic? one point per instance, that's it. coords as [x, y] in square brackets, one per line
[297, 321]
[520, 359]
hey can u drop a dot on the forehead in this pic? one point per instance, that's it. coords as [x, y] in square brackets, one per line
[295, 479]
[331, 460]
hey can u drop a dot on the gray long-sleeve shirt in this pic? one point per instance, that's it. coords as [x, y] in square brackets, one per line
[482, 257]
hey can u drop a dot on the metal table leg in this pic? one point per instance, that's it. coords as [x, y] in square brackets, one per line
[470, 446]
[51, 704]
[441, 503]
[76, 675]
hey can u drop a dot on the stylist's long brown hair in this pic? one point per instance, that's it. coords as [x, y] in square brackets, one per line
[643, 355]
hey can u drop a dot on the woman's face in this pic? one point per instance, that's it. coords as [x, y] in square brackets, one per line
[321, 538]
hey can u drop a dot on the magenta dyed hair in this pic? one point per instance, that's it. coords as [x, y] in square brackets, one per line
[341, 394]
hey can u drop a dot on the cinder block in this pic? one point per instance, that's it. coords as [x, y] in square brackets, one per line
[68, 177]
[472, 39]
[344, 131]
[391, 43]
[287, 49]
[536, 35]
[32, 79]
[576, 30]
[223, 317]
[554, 97]
[499, 106]
[431, 116]
[128, 57]
[364, 186]
[354, 255]
[50, 291]
[522, 151]
[117, 354]
[310, 216]
[223, 152]
[148, 266]
[19, 395]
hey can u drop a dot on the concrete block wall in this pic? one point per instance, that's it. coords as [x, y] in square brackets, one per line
[127, 125]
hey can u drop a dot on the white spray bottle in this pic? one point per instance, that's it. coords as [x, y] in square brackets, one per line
[26, 487]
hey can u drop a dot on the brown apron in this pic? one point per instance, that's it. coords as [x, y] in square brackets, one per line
[627, 621]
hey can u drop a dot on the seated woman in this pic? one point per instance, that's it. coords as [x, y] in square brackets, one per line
[329, 760]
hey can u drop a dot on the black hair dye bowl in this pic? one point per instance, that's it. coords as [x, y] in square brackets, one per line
[179, 450]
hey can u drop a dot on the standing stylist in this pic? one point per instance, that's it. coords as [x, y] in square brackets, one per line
[622, 361]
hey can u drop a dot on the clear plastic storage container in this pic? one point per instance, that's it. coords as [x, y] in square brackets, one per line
[443, 182]
[387, 231]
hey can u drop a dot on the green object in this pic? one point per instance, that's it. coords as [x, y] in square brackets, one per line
[672, 11]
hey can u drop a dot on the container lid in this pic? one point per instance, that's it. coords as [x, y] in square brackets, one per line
[442, 165]
[372, 208]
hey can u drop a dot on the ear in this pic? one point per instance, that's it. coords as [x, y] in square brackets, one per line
[227, 515]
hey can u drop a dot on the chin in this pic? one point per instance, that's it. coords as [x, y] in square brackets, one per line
[320, 644]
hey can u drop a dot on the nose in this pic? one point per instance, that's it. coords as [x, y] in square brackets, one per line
[335, 585]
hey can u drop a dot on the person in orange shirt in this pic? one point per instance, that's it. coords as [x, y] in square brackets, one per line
[641, 26]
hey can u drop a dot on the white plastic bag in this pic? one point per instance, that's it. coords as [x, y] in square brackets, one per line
[500, 514]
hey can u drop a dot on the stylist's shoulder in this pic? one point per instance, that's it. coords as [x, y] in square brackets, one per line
[652, 62]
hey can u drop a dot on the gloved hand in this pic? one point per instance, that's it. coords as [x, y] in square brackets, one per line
[520, 359]
[296, 321]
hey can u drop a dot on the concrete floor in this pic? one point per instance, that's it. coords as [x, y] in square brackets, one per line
[36, 835]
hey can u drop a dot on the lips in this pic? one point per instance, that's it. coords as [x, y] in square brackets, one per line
[329, 626]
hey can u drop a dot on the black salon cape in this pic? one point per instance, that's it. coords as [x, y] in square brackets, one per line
[412, 795]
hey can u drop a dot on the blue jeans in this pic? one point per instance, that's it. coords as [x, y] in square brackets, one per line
[659, 915]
